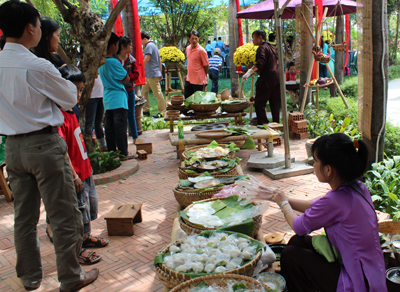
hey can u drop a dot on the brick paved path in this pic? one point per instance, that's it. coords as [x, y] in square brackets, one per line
[127, 261]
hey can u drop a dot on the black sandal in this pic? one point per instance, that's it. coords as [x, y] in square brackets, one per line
[88, 259]
[89, 242]
[48, 235]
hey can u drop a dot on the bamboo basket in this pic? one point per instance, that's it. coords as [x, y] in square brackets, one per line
[184, 175]
[388, 226]
[322, 59]
[220, 280]
[339, 47]
[209, 107]
[230, 155]
[190, 227]
[171, 279]
[235, 107]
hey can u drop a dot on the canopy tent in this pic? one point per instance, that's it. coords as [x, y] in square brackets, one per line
[146, 7]
[265, 10]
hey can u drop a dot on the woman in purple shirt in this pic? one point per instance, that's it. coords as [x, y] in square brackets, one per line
[348, 216]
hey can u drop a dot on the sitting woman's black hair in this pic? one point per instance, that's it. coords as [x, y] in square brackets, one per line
[125, 40]
[72, 73]
[42, 50]
[348, 157]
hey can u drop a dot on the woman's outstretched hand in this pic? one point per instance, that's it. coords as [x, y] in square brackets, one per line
[271, 194]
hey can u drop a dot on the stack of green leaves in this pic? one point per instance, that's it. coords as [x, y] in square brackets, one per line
[201, 97]
[240, 131]
[226, 208]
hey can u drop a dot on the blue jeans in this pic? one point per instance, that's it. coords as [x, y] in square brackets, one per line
[131, 114]
[214, 76]
[94, 117]
[116, 126]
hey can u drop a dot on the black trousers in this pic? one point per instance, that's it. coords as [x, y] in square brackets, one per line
[264, 94]
[192, 88]
[306, 270]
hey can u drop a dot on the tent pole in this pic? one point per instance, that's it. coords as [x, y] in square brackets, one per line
[278, 29]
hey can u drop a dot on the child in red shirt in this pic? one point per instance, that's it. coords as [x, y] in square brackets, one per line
[81, 170]
[291, 75]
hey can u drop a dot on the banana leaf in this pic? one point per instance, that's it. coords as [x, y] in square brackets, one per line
[249, 143]
[201, 97]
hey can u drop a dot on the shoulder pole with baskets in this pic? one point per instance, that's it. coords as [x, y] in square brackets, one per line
[316, 40]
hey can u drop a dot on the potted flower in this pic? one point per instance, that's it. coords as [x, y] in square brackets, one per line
[245, 55]
[171, 56]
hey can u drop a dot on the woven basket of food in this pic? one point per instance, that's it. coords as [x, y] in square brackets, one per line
[222, 281]
[206, 152]
[339, 47]
[201, 188]
[235, 107]
[322, 59]
[210, 107]
[205, 254]
[251, 228]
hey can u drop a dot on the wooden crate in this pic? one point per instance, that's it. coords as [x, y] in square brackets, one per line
[144, 144]
[275, 126]
[121, 218]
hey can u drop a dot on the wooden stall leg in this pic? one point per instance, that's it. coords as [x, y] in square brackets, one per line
[181, 80]
[260, 146]
[171, 125]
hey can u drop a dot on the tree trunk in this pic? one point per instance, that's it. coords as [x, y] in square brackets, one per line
[339, 56]
[233, 44]
[397, 36]
[305, 50]
[379, 81]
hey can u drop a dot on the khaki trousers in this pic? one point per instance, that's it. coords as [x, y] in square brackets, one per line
[38, 169]
[154, 85]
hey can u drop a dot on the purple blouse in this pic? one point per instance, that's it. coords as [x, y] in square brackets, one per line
[352, 228]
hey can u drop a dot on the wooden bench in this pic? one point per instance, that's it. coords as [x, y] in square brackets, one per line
[121, 218]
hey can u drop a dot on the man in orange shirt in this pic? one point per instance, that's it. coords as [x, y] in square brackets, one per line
[197, 67]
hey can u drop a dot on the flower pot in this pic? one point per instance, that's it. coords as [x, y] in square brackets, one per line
[138, 114]
[171, 65]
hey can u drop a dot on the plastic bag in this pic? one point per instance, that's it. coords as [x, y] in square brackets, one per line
[267, 258]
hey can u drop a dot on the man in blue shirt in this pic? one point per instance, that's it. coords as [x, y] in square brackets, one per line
[213, 45]
[215, 65]
[209, 49]
[220, 45]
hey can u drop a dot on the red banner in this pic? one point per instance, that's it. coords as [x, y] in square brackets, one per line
[347, 39]
[119, 31]
[239, 68]
[137, 43]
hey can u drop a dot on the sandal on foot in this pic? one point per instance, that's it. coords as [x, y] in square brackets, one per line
[93, 241]
[48, 235]
[130, 156]
[90, 259]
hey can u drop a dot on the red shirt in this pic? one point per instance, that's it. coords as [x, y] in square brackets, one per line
[290, 76]
[197, 59]
[71, 133]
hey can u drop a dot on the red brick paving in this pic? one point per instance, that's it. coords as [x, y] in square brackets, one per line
[127, 261]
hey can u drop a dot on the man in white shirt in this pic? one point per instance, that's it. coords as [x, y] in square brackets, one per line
[32, 92]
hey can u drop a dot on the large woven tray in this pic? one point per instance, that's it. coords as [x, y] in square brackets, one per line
[213, 134]
[220, 280]
[230, 155]
[184, 175]
[235, 107]
[190, 227]
[187, 197]
[388, 226]
[170, 278]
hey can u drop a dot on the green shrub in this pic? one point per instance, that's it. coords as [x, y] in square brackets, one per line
[336, 106]
[384, 184]
[394, 72]
[104, 161]
[323, 123]
[392, 143]
[350, 86]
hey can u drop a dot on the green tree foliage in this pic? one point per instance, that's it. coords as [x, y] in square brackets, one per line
[178, 19]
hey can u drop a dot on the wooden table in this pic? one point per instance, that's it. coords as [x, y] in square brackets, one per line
[237, 116]
[192, 139]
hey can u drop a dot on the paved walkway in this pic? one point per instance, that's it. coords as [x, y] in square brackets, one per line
[393, 106]
[127, 261]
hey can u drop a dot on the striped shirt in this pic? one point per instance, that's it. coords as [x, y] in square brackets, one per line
[31, 92]
[215, 62]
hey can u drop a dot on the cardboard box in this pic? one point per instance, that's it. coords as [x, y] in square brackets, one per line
[121, 218]
[144, 144]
